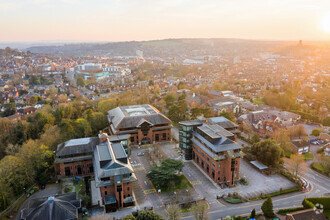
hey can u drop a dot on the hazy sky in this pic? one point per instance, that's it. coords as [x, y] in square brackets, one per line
[120, 20]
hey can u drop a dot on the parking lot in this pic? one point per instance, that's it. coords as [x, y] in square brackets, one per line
[258, 182]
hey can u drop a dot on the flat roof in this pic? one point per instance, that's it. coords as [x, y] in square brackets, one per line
[190, 123]
[210, 132]
[80, 141]
[259, 165]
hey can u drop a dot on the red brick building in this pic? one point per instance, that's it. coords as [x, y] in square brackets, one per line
[105, 158]
[75, 157]
[217, 155]
[144, 123]
[113, 175]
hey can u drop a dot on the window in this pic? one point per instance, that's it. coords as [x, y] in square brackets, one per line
[219, 165]
[127, 188]
[91, 170]
[219, 172]
[132, 139]
[164, 136]
[157, 137]
[105, 187]
[213, 164]
[236, 162]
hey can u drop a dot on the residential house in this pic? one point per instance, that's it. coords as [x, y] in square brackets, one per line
[26, 110]
[307, 214]
[262, 122]
[14, 118]
[300, 146]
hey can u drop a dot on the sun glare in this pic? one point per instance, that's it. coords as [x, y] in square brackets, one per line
[325, 25]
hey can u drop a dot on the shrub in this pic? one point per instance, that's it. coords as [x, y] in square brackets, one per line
[325, 201]
[285, 211]
[253, 213]
[307, 204]
[267, 208]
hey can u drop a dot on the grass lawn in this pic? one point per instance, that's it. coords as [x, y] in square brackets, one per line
[308, 156]
[258, 101]
[327, 213]
[320, 168]
[233, 200]
[181, 182]
[80, 188]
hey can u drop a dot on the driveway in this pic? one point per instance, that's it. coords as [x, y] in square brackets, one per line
[258, 182]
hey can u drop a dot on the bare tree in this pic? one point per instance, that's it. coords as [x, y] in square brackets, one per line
[173, 212]
[200, 211]
[296, 164]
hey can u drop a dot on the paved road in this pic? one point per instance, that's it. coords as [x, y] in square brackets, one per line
[320, 187]
[145, 184]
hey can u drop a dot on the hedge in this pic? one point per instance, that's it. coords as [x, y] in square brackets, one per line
[285, 211]
[325, 201]
[294, 189]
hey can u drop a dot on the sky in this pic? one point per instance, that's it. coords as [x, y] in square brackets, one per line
[126, 20]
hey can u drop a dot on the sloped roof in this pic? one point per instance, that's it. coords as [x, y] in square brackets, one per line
[108, 154]
[77, 146]
[59, 207]
[132, 116]
[223, 122]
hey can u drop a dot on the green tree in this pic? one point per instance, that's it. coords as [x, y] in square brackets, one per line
[253, 213]
[267, 151]
[326, 121]
[229, 115]
[165, 174]
[129, 217]
[148, 215]
[255, 138]
[82, 128]
[316, 132]
[169, 99]
[81, 82]
[173, 164]
[267, 208]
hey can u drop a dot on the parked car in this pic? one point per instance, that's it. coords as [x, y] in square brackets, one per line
[140, 154]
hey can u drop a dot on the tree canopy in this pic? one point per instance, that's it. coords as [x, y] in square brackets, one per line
[267, 152]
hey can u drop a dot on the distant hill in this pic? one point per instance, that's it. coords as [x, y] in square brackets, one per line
[161, 48]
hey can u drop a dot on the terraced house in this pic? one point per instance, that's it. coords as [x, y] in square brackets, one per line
[144, 123]
[212, 149]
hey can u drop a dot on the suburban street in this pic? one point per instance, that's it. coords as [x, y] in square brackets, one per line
[147, 196]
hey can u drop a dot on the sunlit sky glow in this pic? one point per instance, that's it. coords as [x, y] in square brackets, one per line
[121, 20]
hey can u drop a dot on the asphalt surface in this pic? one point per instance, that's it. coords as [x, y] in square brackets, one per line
[320, 186]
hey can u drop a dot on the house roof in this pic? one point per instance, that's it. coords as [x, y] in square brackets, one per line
[300, 143]
[58, 207]
[132, 116]
[307, 214]
[223, 122]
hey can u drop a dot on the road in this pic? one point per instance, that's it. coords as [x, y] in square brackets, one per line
[320, 187]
